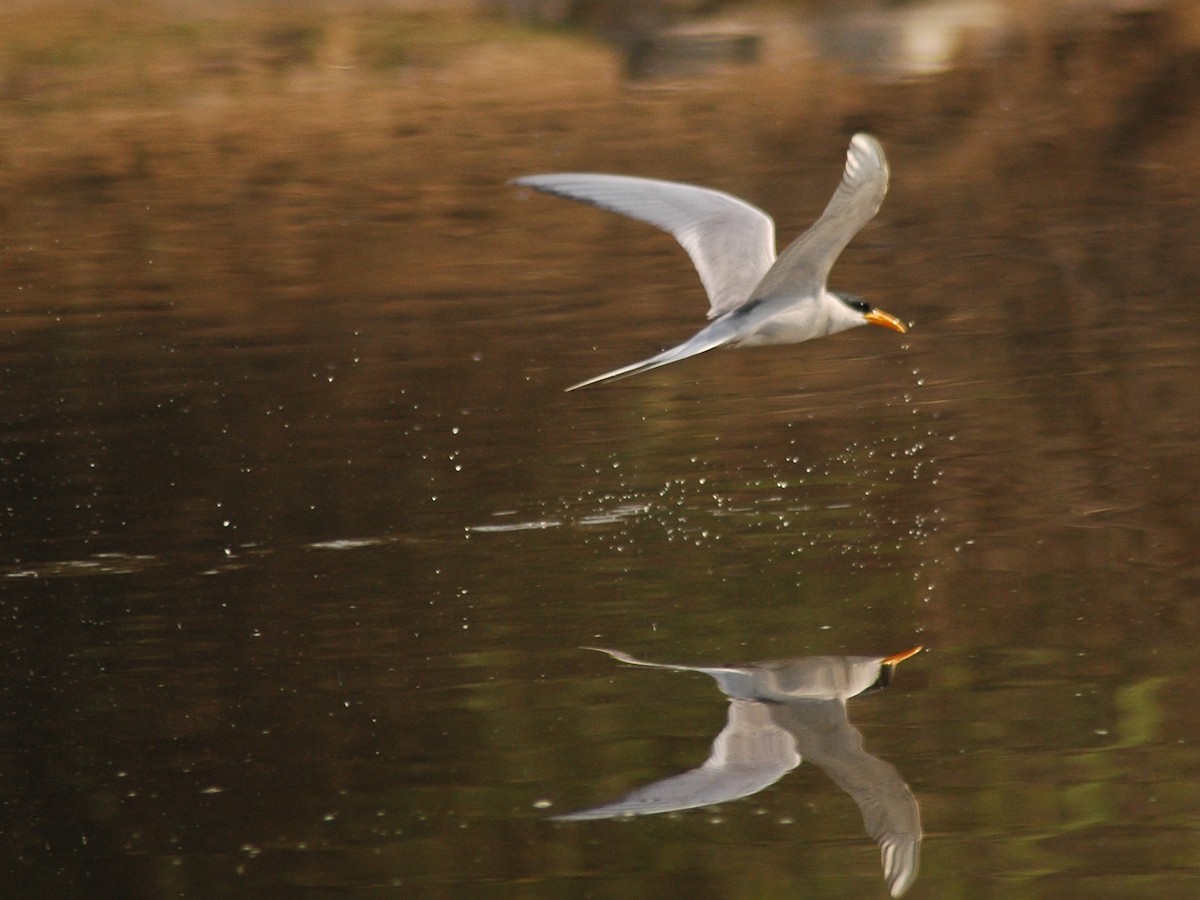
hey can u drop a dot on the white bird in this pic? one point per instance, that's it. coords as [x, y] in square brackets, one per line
[754, 298]
[779, 712]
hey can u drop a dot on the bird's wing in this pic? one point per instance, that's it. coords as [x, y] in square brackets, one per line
[731, 243]
[802, 269]
[750, 754]
[825, 736]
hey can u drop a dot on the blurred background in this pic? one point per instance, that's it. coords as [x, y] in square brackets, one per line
[301, 536]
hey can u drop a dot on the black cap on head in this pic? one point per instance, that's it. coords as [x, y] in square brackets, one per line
[856, 303]
[884, 679]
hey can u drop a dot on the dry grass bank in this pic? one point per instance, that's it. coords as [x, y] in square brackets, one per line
[354, 147]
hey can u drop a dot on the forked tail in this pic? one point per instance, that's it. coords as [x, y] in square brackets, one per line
[708, 339]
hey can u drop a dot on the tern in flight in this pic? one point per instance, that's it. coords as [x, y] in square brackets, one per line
[781, 711]
[754, 297]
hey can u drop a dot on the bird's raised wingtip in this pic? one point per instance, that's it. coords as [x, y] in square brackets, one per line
[866, 164]
[901, 863]
[863, 147]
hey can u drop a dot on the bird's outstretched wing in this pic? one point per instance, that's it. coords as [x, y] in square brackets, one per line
[731, 242]
[749, 754]
[890, 813]
[802, 269]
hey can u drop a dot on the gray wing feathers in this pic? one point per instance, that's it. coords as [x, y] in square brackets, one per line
[731, 243]
[802, 269]
[750, 754]
[890, 812]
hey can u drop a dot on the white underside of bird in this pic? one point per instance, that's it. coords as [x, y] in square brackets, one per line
[754, 297]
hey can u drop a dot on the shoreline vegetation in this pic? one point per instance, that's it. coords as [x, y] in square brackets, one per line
[289, 147]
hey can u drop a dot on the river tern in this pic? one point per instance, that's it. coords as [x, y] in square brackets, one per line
[781, 711]
[754, 297]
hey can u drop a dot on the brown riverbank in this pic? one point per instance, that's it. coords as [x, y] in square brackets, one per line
[355, 148]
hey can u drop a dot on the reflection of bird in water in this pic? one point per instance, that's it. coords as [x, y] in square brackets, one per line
[754, 298]
[781, 711]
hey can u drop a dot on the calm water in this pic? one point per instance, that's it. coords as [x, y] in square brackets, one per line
[297, 571]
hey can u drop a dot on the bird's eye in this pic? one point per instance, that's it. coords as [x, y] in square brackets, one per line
[855, 303]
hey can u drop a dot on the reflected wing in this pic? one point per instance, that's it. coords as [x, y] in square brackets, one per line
[890, 813]
[750, 754]
[802, 269]
[731, 243]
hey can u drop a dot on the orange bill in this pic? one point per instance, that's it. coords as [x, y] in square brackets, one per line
[886, 320]
[897, 658]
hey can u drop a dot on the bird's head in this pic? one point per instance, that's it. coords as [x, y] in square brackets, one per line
[864, 312]
[887, 666]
